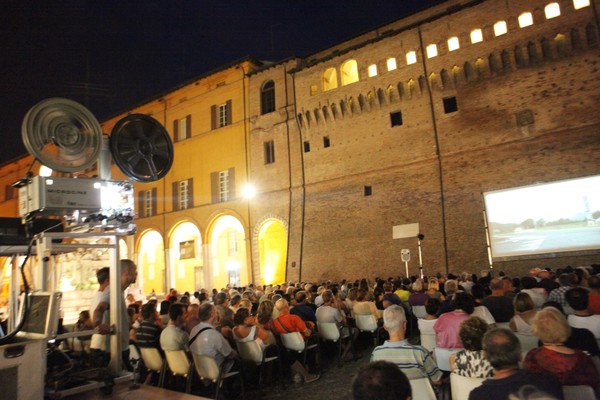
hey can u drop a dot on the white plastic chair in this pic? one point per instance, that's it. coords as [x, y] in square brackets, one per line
[252, 351]
[207, 369]
[461, 386]
[579, 392]
[329, 331]
[154, 362]
[422, 389]
[294, 341]
[368, 323]
[428, 341]
[419, 311]
[179, 364]
[442, 357]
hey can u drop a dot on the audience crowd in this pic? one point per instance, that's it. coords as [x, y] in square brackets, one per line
[483, 322]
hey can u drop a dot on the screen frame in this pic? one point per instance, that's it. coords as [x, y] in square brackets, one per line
[50, 319]
[553, 253]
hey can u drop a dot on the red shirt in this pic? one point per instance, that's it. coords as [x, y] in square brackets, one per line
[569, 369]
[594, 306]
[288, 323]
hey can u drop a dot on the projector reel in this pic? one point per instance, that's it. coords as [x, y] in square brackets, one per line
[141, 147]
[62, 135]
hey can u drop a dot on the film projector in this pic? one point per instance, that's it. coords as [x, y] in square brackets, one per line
[66, 137]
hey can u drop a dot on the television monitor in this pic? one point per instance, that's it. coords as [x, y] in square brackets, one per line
[548, 218]
[41, 321]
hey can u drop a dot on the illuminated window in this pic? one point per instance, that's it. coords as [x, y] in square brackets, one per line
[183, 194]
[411, 57]
[224, 185]
[349, 72]
[314, 89]
[431, 51]
[149, 202]
[329, 79]
[181, 128]
[500, 28]
[577, 4]
[220, 115]
[391, 64]
[372, 70]
[525, 19]
[552, 10]
[476, 36]
[453, 44]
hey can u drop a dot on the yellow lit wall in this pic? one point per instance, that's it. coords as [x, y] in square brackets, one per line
[273, 253]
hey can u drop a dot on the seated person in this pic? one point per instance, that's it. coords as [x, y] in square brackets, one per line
[567, 365]
[330, 312]
[288, 323]
[363, 306]
[303, 310]
[206, 340]
[147, 334]
[448, 324]
[246, 329]
[503, 350]
[381, 380]
[578, 299]
[174, 336]
[432, 307]
[497, 303]
[470, 361]
[415, 361]
[525, 312]
[84, 323]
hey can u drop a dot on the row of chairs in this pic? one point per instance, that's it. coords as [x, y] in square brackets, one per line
[179, 364]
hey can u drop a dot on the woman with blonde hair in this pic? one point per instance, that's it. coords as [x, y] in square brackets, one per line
[567, 365]
[433, 289]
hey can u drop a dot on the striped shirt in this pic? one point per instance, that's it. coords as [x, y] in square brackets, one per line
[414, 361]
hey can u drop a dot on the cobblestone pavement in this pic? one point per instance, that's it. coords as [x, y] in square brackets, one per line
[335, 382]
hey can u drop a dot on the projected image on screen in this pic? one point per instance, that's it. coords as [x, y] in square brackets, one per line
[547, 218]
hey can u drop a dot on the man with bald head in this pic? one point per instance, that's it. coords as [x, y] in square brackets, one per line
[286, 322]
[499, 305]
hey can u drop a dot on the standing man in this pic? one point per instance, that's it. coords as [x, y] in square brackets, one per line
[99, 308]
[128, 276]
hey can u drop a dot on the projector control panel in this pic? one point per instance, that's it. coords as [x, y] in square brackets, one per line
[81, 200]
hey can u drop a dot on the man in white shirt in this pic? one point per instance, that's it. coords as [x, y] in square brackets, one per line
[331, 312]
[206, 340]
[99, 310]
[173, 337]
[581, 318]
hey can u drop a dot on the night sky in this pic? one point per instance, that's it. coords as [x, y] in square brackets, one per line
[111, 54]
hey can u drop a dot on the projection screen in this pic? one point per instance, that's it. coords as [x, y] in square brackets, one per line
[562, 216]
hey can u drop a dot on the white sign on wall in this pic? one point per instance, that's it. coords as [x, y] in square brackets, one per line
[405, 231]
